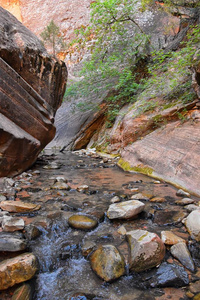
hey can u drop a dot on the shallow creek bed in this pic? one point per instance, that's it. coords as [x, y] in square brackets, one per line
[76, 227]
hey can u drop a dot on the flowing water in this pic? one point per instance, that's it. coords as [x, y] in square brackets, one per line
[65, 273]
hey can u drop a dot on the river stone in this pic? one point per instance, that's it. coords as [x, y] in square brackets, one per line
[181, 252]
[82, 222]
[139, 196]
[191, 207]
[169, 217]
[32, 232]
[169, 275]
[182, 193]
[83, 188]
[11, 224]
[107, 263]
[125, 210]
[18, 269]
[185, 201]
[18, 206]
[24, 292]
[169, 238]
[12, 242]
[60, 185]
[146, 250]
[192, 223]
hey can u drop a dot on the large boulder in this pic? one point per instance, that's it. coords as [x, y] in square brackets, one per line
[31, 89]
[146, 250]
[18, 269]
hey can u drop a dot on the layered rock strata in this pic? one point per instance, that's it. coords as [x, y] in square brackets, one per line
[32, 84]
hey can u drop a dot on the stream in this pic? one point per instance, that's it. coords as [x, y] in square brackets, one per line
[62, 251]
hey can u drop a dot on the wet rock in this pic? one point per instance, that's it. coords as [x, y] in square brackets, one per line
[169, 275]
[83, 188]
[185, 201]
[158, 199]
[60, 185]
[24, 292]
[197, 297]
[115, 199]
[61, 179]
[146, 250]
[2, 198]
[169, 238]
[192, 223]
[32, 232]
[82, 222]
[19, 206]
[11, 224]
[191, 207]
[140, 196]
[125, 210]
[181, 252]
[88, 247]
[195, 287]
[12, 242]
[18, 269]
[52, 166]
[182, 193]
[107, 263]
[169, 217]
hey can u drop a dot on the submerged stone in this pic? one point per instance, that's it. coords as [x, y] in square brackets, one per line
[82, 222]
[185, 201]
[125, 210]
[24, 292]
[107, 263]
[146, 250]
[18, 269]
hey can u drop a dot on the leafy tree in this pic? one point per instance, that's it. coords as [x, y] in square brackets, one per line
[116, 45]
[52, 36]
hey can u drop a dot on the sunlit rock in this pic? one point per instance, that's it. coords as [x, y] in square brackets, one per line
[125, 209]
[107, 263]
[146, 250]
[18, 269]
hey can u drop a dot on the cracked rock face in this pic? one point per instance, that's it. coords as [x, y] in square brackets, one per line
[31, 90]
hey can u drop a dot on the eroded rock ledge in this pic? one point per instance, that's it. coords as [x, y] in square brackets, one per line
[32, 84]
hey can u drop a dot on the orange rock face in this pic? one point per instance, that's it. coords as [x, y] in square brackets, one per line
[32, 84]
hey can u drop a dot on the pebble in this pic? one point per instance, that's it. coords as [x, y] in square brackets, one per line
[115, 199]
[185, 201]
[82, 222]
[182, 193]
[169, 238]
[125, 209]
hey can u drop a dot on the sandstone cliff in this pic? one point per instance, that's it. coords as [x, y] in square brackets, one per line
[32, 84]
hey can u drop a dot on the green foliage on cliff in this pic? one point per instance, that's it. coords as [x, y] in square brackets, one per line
[117, 44]
[51, 36]
[119, 58]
